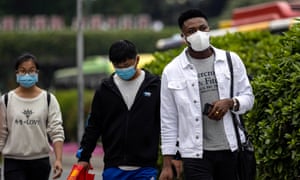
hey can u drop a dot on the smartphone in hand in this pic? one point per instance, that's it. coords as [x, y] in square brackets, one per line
[207, 108]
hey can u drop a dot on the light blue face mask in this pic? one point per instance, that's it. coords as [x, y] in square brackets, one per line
[27, 80]
[126, 73]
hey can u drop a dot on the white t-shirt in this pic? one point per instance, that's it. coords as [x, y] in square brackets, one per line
[130, 88]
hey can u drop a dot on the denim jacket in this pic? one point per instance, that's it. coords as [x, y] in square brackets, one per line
[181, 113]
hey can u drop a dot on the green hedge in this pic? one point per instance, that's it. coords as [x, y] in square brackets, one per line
[57, 49]
[274, 121]
[53, 46]
[273, 61]
[68, 100]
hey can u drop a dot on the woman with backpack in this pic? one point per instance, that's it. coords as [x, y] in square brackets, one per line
[32, 117]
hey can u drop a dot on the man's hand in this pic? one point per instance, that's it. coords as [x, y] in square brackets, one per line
[166, 172]
[85, 165]
[177, 164]
[220, 108]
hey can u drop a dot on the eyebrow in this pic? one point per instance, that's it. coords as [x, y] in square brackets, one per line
[23, 68]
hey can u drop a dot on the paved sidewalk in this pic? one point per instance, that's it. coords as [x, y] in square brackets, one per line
[69, 159]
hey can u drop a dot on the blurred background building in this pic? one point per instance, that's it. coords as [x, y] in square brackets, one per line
[106, 14]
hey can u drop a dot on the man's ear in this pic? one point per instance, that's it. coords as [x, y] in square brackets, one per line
[137, 60]
[184, 39]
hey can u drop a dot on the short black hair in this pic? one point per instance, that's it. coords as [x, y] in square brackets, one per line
[191, 13]
[26, 57]
[121, 51]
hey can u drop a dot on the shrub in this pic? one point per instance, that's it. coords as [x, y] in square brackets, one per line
[273, 61]
[274, 120]
[68, 100]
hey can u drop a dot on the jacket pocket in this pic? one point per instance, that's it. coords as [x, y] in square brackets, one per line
[177, 85]
[180, 93]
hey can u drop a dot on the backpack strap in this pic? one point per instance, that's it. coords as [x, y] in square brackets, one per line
[231, 72]
[48, 98]
[237, 123]
[6, 99]
[48, 103]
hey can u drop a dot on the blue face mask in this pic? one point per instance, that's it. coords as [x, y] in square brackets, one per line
[27, 80]
[126, 73]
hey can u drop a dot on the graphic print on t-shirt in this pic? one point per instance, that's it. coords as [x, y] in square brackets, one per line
[207, 81]
[28, 113]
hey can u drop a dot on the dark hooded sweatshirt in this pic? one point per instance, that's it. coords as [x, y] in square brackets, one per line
[129, 137]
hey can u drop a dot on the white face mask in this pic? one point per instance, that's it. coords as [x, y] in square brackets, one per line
[199, 40]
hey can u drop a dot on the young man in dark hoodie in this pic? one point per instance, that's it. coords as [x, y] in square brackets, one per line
[125, 113]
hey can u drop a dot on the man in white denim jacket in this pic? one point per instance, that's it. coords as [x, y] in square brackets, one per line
[200, 75]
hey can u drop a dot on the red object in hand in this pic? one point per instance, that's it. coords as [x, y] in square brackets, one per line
[79, 173]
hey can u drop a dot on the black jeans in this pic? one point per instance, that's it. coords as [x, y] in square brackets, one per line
[15, 169]
[215, 165]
